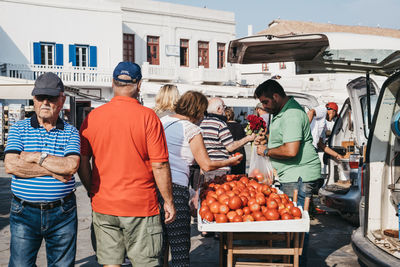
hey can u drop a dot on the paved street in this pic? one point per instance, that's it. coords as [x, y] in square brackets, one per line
[329, 237]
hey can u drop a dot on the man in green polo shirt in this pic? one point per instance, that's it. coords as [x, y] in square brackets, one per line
[290, 145]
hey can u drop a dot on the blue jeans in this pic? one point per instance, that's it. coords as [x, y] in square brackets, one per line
[58, 227]
[305, 189]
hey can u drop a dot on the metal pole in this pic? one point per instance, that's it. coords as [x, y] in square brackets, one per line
[369, 100]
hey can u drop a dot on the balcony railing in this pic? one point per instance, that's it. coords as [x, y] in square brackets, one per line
[90, 76]
[69, 74]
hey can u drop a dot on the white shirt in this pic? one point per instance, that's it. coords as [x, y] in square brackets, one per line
[179, 133]
[318, 125]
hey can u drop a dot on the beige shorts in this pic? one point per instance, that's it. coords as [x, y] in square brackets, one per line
[140, 238]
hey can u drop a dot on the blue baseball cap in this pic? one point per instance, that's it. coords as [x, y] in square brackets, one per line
[127, 68]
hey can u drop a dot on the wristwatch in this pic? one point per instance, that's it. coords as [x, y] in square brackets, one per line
[43, 156]
[266, 152]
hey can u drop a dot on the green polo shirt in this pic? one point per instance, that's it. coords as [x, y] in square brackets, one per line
[289, 125]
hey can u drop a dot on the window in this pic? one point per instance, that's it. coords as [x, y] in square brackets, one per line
[153, 54]
[264, 67]
[81, 55]
[203, 54]
[184, 52]
[46, 53]
[220, 55]
[129, 47]
[282, 65]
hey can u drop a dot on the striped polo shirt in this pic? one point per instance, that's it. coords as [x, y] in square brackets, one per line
[27, 135]
[216, 137]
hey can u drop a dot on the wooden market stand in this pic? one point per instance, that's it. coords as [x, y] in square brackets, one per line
[290, 240]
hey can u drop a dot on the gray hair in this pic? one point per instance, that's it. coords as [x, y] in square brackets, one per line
[213, 104]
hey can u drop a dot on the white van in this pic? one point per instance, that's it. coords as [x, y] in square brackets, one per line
[376, 242]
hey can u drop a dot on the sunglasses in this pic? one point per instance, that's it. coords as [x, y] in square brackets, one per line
[49, 98]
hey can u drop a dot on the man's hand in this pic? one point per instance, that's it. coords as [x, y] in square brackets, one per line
[170, 212]
[32, 157]
[235, 160]
[260, 138]
[261, 149]
[62, 178]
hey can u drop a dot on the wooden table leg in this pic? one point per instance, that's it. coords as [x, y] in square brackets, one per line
[221, 249]
[296, 250]
[229, 260]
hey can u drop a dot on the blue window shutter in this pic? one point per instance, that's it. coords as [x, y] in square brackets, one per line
[72, 57]
[93, 56]
[59, 54]
[37, 55]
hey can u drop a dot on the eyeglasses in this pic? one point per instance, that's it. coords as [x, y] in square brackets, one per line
[49, 98]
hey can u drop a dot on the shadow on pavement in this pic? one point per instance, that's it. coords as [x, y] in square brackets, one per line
[5, 201]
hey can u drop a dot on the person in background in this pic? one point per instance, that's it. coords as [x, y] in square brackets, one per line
[185, 144]
[217, 137]
[238, 133]
[260, 111]
[124, 161]
[317, 118]
[166, 100]
[290, 145]
[42, 154]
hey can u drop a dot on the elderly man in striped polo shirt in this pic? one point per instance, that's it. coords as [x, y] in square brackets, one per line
[42, 154]
[217, 137]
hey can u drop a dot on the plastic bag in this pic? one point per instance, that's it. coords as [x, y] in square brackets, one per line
[261, 167]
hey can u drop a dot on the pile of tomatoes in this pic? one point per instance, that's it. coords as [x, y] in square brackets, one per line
[236, 198]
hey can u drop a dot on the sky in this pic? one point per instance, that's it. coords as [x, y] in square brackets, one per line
[259, 13]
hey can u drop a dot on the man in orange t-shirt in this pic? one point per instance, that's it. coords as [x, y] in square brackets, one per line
[126, 144]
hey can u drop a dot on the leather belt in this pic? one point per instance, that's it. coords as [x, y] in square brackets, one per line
[44, 205]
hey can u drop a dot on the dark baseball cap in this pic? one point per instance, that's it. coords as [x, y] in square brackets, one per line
[48, 84]
[130, 69]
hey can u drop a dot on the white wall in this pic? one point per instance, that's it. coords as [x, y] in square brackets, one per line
[172, 22]
[90, 22]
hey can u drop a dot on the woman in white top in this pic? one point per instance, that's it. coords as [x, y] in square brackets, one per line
[185, 144]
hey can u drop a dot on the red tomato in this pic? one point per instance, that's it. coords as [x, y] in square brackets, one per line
[214, 207]
[289, 205]
[256, 215]
[271, 214]
[274, 190]
[231, 215]
[266, 190]
[235, 203]
[239, 212]
[223, 199]
[237, 218]
[259, 177]
[255, 207]
[272, 204]
[287, 216]
[210, 200]
[221, 218]
[237, 154]
[260, 199]
[223, 209]
[283, 210]
[226, 187]
[244, 180]
[208, 216]
[246, 210]
[204, 208]
[220, 191]
[245, 200]
[296, 212]
[230, 193]
[248, 218]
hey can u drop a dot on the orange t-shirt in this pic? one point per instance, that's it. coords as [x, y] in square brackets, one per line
[124, 138]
